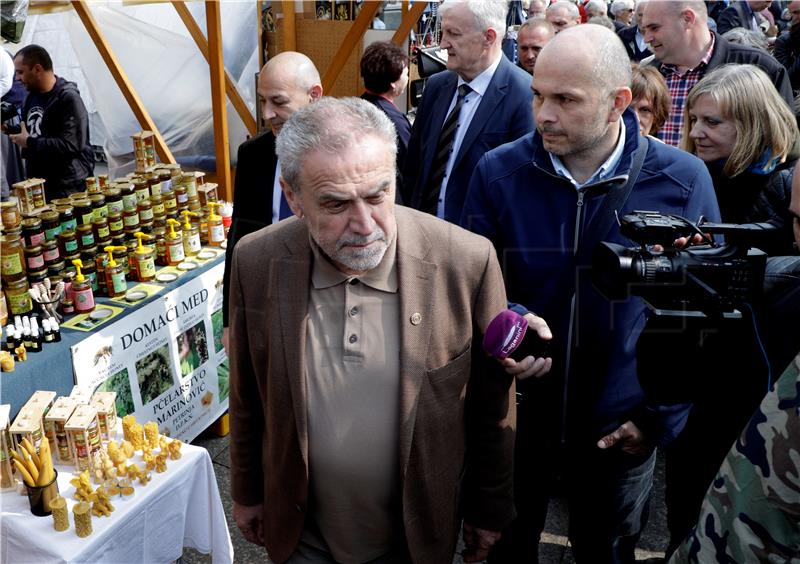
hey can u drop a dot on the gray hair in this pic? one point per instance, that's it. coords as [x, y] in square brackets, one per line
[747, 37]
[598, 5]
[487, 13]
[604, 21]
[569, 7]
[618, 5]
[330, 125]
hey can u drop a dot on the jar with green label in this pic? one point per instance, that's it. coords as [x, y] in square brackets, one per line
[66, 216]
[157, 204]
[170, 202]
[145, 211]
[121, 256]
[85, 236]
[114, 199]
[115, 224]
[140, 188]
[68, 240]
[189, 180]
[12, 258]
[51, 221]
[83, 211]
[19, 300]
[99, 206]
[101, 229]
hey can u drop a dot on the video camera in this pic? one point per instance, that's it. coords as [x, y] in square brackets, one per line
[709, 279]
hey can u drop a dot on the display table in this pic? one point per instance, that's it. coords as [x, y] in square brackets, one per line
[178, 508]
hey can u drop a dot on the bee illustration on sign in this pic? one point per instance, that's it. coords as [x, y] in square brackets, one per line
[103, 355]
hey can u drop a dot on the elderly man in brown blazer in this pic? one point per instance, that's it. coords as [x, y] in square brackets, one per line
[366, 421]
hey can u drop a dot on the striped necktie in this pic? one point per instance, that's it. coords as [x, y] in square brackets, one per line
[443, 149]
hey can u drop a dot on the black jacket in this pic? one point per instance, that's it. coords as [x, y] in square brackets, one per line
[726, 52]
[752, 198]
[733, 16]
[61, 152]
[628, 37]
[252, 198]
[787, 52]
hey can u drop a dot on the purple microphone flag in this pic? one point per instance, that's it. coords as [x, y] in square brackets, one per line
[504, 334]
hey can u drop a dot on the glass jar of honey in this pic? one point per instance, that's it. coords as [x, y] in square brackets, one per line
[115, 223]
[19, 300]
[12, 258]
[10, 213]
[32, 231]
[85, 236]
[50, 252]
[99, 206]
[83, 211]
[68, 241]
[101, 228]
[145, 211]
[51, 222]
[34, 257]
[114, 199]
[66, 216]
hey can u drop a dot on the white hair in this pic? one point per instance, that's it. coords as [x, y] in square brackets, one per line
[598, 5]
[618, 6]
[487, 13]
[330, 125]
[569, 7]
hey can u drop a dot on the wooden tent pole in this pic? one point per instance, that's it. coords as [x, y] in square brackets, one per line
[409, 20]
[230, 87]
[135, 103]
[289, 26]
[218, 105]
[357, 30]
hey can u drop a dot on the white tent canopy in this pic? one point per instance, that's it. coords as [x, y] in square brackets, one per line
[165, 67]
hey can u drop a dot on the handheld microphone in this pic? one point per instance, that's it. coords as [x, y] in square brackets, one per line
[507, 336]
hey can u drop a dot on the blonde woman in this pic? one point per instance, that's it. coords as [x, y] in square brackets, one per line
[738, 124]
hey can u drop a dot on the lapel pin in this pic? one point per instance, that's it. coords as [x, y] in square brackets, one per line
[416, 318]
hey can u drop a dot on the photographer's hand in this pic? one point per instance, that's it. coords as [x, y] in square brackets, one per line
[531, 366]
[20, 138]
[629, 437]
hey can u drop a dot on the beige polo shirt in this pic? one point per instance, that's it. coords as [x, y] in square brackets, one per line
[353, 380]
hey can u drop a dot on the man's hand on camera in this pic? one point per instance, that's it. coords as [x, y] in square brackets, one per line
[20, 138]
[531, 366]
[629, 438]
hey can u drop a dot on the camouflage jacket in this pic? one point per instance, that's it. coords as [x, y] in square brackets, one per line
[751, 513]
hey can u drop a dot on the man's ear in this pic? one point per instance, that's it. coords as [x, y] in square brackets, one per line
[291, 198]
[491, 36]
[315, 92]
[622, 99]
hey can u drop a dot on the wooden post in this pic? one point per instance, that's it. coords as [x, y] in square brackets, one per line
[261, 32]
[214, 27]
[357, 30]
[230, 87]
[409, 20]
[121, 79]
[289, 27]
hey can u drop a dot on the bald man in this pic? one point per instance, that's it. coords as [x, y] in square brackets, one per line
[582, 413]
[289, 81]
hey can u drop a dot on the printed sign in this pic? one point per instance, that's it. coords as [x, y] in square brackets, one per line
[165, 360]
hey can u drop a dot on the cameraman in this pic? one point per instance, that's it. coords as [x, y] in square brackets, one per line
[727, 111]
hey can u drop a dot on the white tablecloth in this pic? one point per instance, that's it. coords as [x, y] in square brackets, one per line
[178, 508]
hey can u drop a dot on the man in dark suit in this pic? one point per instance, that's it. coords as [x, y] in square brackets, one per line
[288, 82]
[366, 422]
[742, 13]
[482, 101]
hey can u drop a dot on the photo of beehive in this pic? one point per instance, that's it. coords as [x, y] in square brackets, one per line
[154, 374]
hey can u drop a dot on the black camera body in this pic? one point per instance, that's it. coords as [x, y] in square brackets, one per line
[699, 280]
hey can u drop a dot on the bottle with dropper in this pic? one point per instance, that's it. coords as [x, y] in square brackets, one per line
[191, 235]
[144, 258]
[83, 297]
[115, 274]
[174, 241]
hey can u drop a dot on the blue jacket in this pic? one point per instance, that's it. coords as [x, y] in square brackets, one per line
[532, 215]
[503, 115]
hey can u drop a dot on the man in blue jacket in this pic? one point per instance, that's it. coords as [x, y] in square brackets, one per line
[479, 103]
[542, 201]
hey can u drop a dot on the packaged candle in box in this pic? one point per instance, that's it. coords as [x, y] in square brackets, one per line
[105, 403]
[29, 424]
[6, 478]
[83, 434]
[54, 427]
[82, 395]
